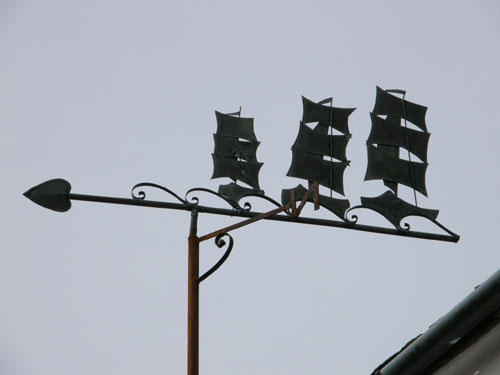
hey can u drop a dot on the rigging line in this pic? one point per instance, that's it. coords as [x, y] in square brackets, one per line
[243, 166]
[238, 152]
[331, 147]
[408, 149]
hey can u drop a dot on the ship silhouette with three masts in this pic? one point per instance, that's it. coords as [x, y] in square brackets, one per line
[235, 156]
[319, 156]
[391, 138]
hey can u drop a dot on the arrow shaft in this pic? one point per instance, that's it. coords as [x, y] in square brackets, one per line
[250, 214]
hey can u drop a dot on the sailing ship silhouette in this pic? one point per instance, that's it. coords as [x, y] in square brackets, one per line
[319, 157]
[311, 147]
[389, 134]
[235, 156]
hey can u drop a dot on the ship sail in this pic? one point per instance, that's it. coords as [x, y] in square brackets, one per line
[234, 155]
[390, 105]
[390, 132]
[384, 166]
[384, 162]
[318, 155]
[387, 138]
[312, 167]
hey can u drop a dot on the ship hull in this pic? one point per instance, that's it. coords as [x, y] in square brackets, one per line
[234, 192]
[395, 209]
[334, 205]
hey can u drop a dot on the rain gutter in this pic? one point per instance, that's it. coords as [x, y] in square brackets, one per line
[447, 331]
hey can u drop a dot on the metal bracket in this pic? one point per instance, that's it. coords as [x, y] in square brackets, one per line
[313, 189]
[219, 234]
[220, 243]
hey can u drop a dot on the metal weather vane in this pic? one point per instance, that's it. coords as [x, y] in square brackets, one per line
[384, 161]
[312, 145]
[235, 157]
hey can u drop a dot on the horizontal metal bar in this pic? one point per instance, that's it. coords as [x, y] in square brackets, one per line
[249, 214]
[133, 202]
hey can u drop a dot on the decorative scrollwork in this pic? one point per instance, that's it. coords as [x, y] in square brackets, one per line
[393, 220]
[354, 218]
[142, 195]
[405, 226]
[219, 242]
[248, 206]
[196, 200]
[398, 222]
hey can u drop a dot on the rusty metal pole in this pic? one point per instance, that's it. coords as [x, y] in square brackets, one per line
[193, 296]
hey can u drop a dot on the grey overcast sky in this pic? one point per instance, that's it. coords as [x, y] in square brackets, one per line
[107, 94]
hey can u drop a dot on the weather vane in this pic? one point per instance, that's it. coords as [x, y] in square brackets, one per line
[318, 156]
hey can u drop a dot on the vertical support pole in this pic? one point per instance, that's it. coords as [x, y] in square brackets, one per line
[193, 296]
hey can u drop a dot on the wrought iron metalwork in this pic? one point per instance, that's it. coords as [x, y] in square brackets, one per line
[248, 205]
[394, 209]
[142, 195]
[313, 145]
[234, 199]
[352, 223]
[219, 242]
[334, 205]
[386, 138]
[196, 200]
[235, 155]
[318, 156]
[52, 194]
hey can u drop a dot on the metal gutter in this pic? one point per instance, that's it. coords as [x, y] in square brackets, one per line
[447, 331]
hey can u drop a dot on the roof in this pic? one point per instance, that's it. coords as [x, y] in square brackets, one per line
[473, 318]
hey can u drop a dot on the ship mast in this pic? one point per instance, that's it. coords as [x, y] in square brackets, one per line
[319, 155]
[408, 146]
[387, 137]
[234, 154]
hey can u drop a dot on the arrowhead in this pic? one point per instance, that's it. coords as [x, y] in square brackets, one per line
[52, 194]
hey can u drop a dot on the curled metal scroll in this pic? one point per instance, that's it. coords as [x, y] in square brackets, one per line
[142, 195]
[196, 200]
[397, 224]
[406, 226]
[219, 242]
[354, 218]
[248, 206]
[401, 224]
